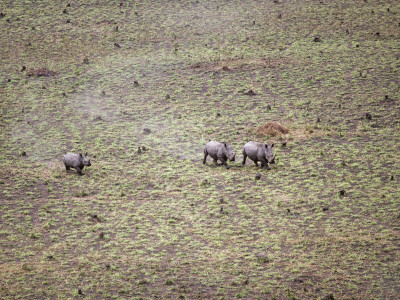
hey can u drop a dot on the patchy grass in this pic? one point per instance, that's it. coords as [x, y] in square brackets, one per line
[110, 77]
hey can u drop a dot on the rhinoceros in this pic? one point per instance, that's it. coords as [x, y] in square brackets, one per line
[219, 151]
[76, 161]
[259, 152]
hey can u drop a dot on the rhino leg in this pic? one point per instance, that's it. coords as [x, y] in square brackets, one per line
[224, 162]
[79, 170]
[256, 163]
[205, 156]
[244, 157]
[264, 164]
[67, 168]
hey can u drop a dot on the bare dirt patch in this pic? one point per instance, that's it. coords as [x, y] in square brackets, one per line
[41, 72]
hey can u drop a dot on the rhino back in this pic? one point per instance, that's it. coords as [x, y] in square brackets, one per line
[213, 148]
[252, 149]
[72, 160]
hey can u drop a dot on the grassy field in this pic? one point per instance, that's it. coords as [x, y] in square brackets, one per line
[108, 77]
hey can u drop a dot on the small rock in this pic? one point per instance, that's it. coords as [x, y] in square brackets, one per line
[392, 177]
[368, 116]
[205, 182]
[80, 292]
[146, 130]
[284, 143]
[325, 209]
[328, 297]
[386, 97]
[23, 68]
[64, 94]
[86, 60]
[144, 148]
[68, 21]
[116, 29]
[167, 96]
[258, 176]
[250, 93]
[101, 235]
[218, 114]
[116, 45]
[2, 15]
[288, 210]
[103, 93]
[139, 151]
[269, 107]
[65, 11]
[136, 83]
[280, 16]
[342, 192]
[318, 120]
[317, 39]
[23, 153]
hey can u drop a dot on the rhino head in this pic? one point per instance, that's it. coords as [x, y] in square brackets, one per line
[269, 153]
[229, 153]
[85, 160]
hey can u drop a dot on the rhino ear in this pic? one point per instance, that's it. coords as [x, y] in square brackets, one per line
[86, 154]
[225, 145]
[80, 154]
[273, 144]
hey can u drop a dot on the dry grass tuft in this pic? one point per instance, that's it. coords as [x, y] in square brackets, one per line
[272, 128]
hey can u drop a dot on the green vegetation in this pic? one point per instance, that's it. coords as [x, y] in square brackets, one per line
[159, 224]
